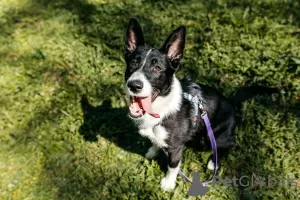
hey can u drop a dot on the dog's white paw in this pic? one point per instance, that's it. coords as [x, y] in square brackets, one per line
[210, 165]
[152, 152]
[167, 184]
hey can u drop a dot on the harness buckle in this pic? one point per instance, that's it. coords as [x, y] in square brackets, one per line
[201, 105]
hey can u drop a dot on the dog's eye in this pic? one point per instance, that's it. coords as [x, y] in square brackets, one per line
[154, 61]
[132, 63]
[156, 68]
[135, 62]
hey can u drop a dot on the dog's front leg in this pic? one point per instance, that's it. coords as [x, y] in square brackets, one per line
[152, 151]
[169, 181]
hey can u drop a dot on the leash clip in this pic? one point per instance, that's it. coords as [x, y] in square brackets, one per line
[203, 112]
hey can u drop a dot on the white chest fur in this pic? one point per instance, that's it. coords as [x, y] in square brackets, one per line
[157, 135]
[164, 106]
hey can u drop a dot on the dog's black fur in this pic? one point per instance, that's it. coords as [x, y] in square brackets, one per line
[159, 67]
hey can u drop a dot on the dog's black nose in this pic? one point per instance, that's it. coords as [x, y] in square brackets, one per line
[135, 85]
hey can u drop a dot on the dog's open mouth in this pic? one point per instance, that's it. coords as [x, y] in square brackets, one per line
[141, 105]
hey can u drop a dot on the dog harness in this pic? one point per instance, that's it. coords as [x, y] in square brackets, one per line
[198, 105]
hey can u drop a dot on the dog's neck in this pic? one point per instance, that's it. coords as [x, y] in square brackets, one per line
[163, 105]
[170, 103]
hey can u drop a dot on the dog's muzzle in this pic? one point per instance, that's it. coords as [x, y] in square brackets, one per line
[141, 105]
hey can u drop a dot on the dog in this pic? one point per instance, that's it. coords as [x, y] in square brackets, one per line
[160, 111]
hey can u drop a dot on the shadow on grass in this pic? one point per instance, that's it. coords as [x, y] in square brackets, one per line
[112, 123]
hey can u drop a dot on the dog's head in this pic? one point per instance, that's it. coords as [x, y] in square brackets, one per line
[149, 72]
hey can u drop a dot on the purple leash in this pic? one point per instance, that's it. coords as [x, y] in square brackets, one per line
[196, 104]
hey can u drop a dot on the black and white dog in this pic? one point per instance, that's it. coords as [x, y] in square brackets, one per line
[157, 105]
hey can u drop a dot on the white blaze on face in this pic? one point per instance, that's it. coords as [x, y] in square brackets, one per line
[143, 98]
[139, 75]
[146, 57]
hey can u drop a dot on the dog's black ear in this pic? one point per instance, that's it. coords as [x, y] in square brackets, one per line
[134, 35]
[174, 45]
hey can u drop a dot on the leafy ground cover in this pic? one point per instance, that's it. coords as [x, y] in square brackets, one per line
[64, 133]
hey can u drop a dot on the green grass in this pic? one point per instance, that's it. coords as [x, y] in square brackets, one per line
[64, 133]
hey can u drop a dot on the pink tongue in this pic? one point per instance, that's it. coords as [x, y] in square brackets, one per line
[146, 103]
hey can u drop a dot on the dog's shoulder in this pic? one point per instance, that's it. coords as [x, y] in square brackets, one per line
[205, 92]
[190, 87]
